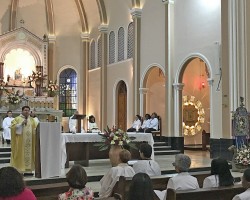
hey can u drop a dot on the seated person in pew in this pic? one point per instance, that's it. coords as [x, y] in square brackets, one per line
[77, 179]
[183, 180]
[147, 165]
[136, 124]
[141, 188]
[12, 186]
[153, 125]
[109, 180]
[220, 174]
[92, 124]
[145, 123]
[246, 184]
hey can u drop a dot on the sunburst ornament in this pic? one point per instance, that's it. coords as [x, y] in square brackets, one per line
[193, 115]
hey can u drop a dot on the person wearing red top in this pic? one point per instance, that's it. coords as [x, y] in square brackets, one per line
[12, 186]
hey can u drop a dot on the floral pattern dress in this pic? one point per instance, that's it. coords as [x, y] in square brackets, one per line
[77, 194]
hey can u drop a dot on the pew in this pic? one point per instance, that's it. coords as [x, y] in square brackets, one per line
[159, 182]
[220, 193]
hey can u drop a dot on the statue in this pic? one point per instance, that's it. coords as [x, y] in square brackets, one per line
[18, 75]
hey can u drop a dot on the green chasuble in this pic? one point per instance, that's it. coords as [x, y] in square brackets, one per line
[23, 144]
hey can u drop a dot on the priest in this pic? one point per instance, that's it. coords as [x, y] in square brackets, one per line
[23, 130]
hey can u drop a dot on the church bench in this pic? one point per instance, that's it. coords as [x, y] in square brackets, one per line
[159, 182]
[220, 193]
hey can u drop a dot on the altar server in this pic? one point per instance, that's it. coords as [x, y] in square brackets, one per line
[6, 127]
[23, 134]
[73, 123]
[92, 123]
[153, 125]
[136, 124]
[246, 184]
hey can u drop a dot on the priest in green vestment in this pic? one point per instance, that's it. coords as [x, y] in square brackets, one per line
[23, 133]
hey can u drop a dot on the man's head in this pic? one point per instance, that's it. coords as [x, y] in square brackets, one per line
[182, 163]
[9, 113]
[246, 178]
[25, 111]
[145, 151]
[125, 156]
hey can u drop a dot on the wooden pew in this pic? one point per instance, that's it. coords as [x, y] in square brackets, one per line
[220, 193]
[159, 182]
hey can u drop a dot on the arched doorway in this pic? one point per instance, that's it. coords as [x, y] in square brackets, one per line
[195, 101]
[122, 105]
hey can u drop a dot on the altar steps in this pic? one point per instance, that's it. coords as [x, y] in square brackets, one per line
[162, 148]
[5, 153]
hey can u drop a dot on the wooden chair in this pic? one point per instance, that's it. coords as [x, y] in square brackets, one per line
[159, 132]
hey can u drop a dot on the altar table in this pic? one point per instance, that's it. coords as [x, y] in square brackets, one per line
[80, 146]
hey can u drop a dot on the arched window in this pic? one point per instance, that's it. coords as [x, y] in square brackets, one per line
[121, 44]
[92, 55]
[68, 92]
[99, 60]
[111, 47]
[130, 50]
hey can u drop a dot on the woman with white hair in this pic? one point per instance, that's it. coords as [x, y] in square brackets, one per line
[183, 180]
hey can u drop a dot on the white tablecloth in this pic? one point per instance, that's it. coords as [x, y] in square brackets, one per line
[94, 137]
[50, 148]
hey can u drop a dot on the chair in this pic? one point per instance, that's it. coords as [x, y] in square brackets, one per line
[158, 132]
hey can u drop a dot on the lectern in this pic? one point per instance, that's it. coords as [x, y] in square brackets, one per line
[79, 117]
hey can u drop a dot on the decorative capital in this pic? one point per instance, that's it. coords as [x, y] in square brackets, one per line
[143, 90]
[85, 36]
[52, 38]
[168, 1]
[178, 86]
[103, 28]
[210, 81]
[136, 12]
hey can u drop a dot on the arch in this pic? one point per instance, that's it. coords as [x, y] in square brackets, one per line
[83, 16]
[187, 60]
[145, 73]
[102, 11]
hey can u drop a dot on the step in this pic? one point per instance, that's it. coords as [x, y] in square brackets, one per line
[168, 152]
[160, 144]
[162, 148]
[4, 160]
[5, 149]
[5, 154]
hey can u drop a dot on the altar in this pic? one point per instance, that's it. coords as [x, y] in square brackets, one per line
[80, 147]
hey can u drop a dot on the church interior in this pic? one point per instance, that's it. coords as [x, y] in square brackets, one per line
[186, 60]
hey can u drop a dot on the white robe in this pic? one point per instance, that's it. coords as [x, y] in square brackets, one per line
[211, 181]
[109, 180]
[146, 123]
[136, 124]
[243, 196]
[6, 128]
[149, 167]
[154, 123]
[72, 124]
[92, 126]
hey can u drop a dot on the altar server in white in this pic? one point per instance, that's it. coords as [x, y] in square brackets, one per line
[136, 124]
[73, 123]
[153, 125]
[109, 180]
[92, 123]
[6, 127]
[246, 184]
[147, 165]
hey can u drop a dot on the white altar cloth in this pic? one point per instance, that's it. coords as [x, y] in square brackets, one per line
[94, 137]
[50, 149]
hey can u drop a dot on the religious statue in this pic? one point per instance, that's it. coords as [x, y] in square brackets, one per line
[18, 75]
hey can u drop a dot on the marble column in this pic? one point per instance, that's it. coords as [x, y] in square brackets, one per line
[104, 51]
[51, 56]
[1, 70]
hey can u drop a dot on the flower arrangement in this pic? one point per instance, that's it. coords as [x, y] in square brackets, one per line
[53, 88]
[37, 76]
[13, 97]
[114, 136]
[2, 84]
[243, 156]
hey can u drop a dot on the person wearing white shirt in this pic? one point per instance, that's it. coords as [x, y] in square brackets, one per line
[153, 125]
[220, 174]
[6, 127]
[92, 123]
[182, 181]
[246, 184]
[109, 180]
[73, 123]
[33, 114]
[146, 122]
[146, 165]
[136, 124]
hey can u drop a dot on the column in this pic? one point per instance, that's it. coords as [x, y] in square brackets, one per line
[51, 56]
[136, 15]
[169, 79]
[143, 93]
[84, 78]
[178, 87]
[1, 70]
[103, 107]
